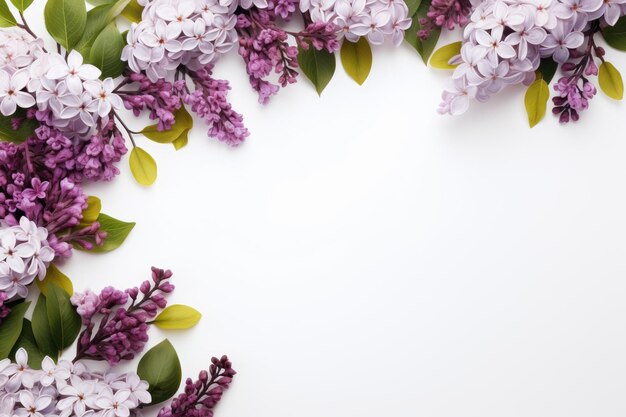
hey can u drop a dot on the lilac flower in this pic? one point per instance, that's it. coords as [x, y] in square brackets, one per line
[201, 396]
[561, 40]
[114, 404]
[51, 373]
[74, 72]
[78, 395]
[13, 253]
[32, 406]
[11, 95]
[494, 45]
[104, 96]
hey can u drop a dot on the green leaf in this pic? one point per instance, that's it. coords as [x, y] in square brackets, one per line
[178, 316]
[106, 52]
[160, 367]
[143, 166]
[548, 68]
[28, 343]
[91, 213]
[56, 277]
[442, 56]
[21, 5]
[116, 230]
[318, 66]
[26, 129]
[65, 21]
[424, 47]
[41, 329]
[97, 19]
[357, 59]
[615, 35]
[536, 101]
[183, 124]
[63, 318]
[11, 328]
[6, 17]
[413, 5]
[610, 81]
[180, 142]
[133, 11]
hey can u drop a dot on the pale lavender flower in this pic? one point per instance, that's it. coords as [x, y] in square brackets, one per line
[11, 94]
[73, 71]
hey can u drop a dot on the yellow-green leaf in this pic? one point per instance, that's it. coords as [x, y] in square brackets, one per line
[183, 124]
[143, 166]
[177, 316]
[6, 17]
[357, 59]
[56, 277]
[442, 56]
[610, 81]
[133, 11]
[536, 101]
[91, 213]
[181, 141]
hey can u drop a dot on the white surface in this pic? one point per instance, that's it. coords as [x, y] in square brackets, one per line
[361, 256]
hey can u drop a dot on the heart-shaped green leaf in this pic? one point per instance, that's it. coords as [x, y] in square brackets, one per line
[424, 47]
[63, 318]
[442, 56]
[41, 329]
[610, 81]
[56, 277]
[11, 328]
[27, 342]
[318, 66]
[65, 21]
[143, 166]
[177, 316]
[182, 125]
[357, 59]
[106, 52]
[160, 367]
[116, 230]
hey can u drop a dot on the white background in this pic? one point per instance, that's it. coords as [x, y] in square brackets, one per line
[361, 256]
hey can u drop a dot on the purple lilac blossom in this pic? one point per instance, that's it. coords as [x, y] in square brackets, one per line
[67, 389]
[201, 396]
[116, 322]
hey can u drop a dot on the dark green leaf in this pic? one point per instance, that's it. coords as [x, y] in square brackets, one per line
[106, 52]
[160, 367]
[63, 318]
[615, 36]
[424, 47]
[65, 21]
[6, 17]
[27, 341]
[27, 127]
[11, 328]
[97, 19]
[41, 329]
[318, 66]
[547, 68]
[116, 230]
[21, 5]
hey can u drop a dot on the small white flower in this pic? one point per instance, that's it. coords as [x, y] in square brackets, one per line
[11, 92]
[138, 389]
[115, 405]
[74, 72]
[32, 406]
[176, 16]
[102, 92]
[77, 397]
[51, 373]
[19, 373]
[13, 253]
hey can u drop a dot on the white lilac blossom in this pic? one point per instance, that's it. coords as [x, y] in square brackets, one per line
[506, 39]
[67, 389]
[375, 19]
[193, 33]
[24, 254]
[67, 92]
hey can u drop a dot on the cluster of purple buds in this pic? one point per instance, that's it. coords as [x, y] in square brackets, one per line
[4, 309]
[67, 389]
[574, 91]
[120, 317]
[264, 48]
[160, 98]
[209, 101]
[201, 396]
[376, 20]
[446, 14]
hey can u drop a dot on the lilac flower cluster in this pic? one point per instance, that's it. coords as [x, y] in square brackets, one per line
[56, 203]
[24, 255]
[506, 39]
[445, 14]
[121, 330]
[67, 89]
[67, 389]
[264, 48]
[202, 395]
[375, 19]
[192, 33]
